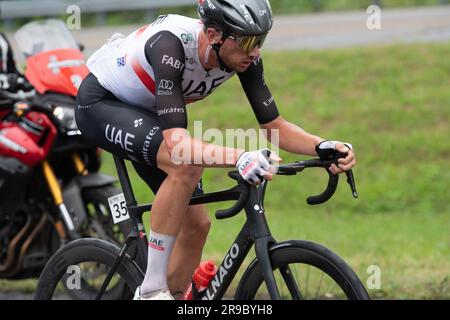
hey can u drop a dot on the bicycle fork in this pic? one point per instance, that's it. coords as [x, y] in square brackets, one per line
[130, 239]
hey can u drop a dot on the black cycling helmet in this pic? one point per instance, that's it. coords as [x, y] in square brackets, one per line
[247, 22]
[237, 17]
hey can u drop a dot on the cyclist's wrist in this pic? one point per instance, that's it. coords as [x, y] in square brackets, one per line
[327, 150]
[318, 141]
[237, 155]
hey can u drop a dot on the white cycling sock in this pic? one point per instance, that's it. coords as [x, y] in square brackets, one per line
[159, 250]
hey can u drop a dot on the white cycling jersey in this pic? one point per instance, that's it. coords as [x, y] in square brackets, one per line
[122, 68]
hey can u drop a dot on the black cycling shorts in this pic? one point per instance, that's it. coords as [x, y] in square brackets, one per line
[131, 132]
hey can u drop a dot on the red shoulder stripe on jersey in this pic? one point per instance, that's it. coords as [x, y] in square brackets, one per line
[145, 78]
[141, 31]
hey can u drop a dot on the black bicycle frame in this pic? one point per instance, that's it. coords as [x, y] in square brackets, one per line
[255, 230]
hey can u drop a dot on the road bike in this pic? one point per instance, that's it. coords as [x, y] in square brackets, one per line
[294, 269]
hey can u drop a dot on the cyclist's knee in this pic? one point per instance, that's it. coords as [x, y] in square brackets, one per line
[186, 174]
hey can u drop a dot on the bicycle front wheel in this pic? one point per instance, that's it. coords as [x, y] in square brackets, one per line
[303, 270]
[72, 265]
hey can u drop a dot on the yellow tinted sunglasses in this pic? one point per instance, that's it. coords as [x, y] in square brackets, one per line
[248, 43]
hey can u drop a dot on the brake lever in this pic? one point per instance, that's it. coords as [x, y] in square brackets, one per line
[351, 182]
[349, 174]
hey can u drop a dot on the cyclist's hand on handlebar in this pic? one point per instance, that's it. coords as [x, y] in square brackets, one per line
[254, 166]
[329, 150]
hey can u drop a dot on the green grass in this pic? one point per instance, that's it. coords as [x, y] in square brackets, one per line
[393, 104]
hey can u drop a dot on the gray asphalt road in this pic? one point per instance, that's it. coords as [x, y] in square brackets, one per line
[329, 30]
[326, 30]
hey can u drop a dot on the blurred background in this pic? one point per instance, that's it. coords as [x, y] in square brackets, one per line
[385, 89]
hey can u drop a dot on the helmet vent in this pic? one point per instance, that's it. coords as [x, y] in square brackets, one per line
[252, 13]
[225, 4]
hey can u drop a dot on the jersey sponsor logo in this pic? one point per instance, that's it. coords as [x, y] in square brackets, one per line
[155, 41]
[138, 122]
[122, 61]
[247, 166]
[165, 87]
[200, 88]
[117, 136]
[147, 142]
[156, 244]
[174, 63]
[168, 110]
[190, 60]
[269, 101]
[257, 60]
[165, 84]
[187, 37]
[228, 262]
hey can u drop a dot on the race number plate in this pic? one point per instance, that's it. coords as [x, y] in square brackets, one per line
[118, 208]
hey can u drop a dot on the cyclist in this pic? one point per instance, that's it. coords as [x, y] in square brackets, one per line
[134, 104]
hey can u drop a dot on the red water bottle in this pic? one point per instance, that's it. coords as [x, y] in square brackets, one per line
[201, 278]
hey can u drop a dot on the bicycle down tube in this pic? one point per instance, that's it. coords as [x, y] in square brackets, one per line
[255, 231]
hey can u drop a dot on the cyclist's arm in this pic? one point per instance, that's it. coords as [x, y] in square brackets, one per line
[258, 93]
[291, 137]
[170, 106]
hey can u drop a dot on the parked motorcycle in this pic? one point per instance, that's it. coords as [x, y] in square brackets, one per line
[50, 189]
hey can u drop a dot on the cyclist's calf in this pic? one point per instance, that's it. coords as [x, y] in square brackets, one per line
[196, 225]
